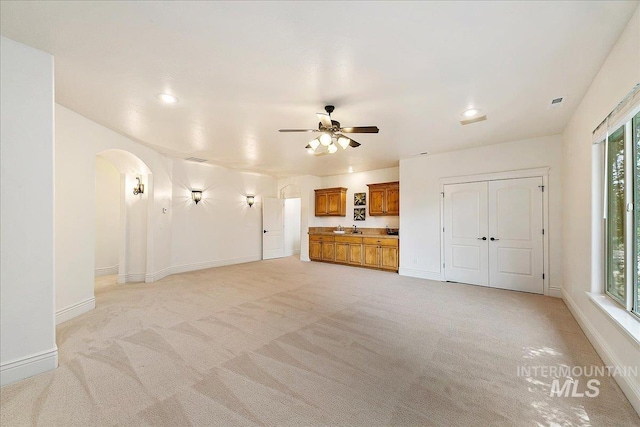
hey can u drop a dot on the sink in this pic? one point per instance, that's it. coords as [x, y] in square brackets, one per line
[338, 231]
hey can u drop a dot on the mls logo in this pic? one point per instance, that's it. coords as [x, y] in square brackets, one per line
[570, 388]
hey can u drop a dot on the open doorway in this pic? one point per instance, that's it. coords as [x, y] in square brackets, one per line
[124, 194]
[292, 213]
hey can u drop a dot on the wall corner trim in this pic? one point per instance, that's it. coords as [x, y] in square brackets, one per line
[630, 388]
[554, 292]
[158, 275]
[17, 370]
[74, 310]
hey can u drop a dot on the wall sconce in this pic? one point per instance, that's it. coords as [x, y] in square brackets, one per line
[138, 189]
[196, 195]
[251, 200]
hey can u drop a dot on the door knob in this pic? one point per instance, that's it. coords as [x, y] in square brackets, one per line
[482, 238]
[264, 231]
[494, 239]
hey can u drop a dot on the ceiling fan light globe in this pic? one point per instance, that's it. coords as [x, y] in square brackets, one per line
[344, 142]
[310, 150]
[332, 148]
[314, 144]
[325, 139]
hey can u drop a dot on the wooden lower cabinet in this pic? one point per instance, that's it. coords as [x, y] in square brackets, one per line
[321, 248]
[373, 252]
[355, 254]
[315, 250]
[389, 257]
[371, 256]
[328, 251]
[341, 252]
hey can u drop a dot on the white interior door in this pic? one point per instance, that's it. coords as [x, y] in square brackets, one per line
[515, 235]
[465, 233]
[272, 228]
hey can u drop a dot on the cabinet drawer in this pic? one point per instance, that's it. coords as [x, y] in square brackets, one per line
[344, 239]
[382, 241]
[320, 238]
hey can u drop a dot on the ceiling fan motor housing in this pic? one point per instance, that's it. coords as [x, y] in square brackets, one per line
[335, 126]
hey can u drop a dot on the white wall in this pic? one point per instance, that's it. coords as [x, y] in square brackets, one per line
[582, 267]
[292, 216]
[27, 329]
[357, 183]
[107, 217]
[420, 198]
[302, 186]
[222, 229]
[78, 141]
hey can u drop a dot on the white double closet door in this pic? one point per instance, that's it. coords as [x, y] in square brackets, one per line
[493, 234]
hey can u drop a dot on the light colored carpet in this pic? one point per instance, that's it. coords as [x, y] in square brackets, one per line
[283, 342]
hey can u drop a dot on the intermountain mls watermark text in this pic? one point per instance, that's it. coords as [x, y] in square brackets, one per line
[567, 379]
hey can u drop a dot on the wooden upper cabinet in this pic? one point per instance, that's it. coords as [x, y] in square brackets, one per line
[331, 201]
[376, 201]
[321, 203]
[384, 199]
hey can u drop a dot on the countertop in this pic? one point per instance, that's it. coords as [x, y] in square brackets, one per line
[349, 234]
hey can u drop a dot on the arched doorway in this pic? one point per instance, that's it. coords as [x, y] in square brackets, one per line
[127, 237]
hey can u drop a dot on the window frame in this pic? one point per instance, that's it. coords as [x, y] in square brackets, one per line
[632, 287]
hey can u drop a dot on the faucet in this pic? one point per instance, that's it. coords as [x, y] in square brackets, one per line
[355, 229]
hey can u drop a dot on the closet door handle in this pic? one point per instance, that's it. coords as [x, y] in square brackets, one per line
[482, 238]
[494, 239]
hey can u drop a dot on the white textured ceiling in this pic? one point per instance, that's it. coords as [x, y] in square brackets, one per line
[243, 70]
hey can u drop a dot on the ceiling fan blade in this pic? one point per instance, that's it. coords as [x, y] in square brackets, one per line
[354, 144]
[299, 130]
[361, 129]
[325, 119]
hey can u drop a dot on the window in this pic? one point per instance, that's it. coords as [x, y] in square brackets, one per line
[636, 217]
[616, 209]
[622, 213]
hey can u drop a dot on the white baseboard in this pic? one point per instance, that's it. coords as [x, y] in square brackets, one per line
[131, 277]
[74, 310]
[176, 269]
[292, 253]
[629, 387]
[106, 271]
[158, 275]
[421, 274]
[555, 292]
[29, 366]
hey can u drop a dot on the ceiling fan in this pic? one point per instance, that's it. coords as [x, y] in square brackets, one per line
[332, 133]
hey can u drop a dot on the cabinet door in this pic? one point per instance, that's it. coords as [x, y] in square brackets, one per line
[355, 254]
[342, 252]
[328, 251]
[371, 255]
[393, 201]
[315, 250]
[376, 201]
[333, 204]
[389, 257]
[321, 204]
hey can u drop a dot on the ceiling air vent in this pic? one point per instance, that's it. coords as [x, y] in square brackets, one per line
[556, 102]
[473, 120]
[195, 160]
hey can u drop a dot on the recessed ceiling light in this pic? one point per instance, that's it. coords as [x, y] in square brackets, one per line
[471, 112]
[167, 99]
